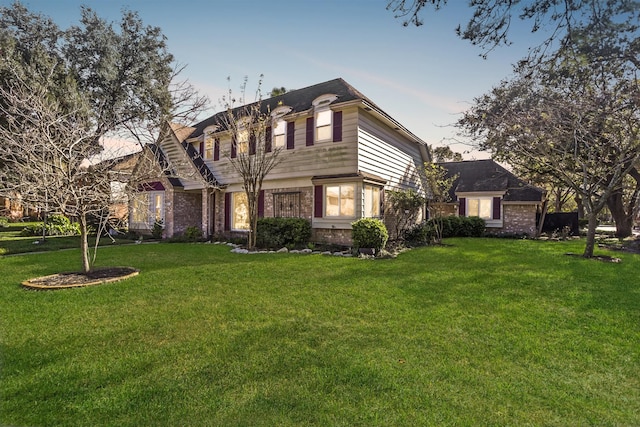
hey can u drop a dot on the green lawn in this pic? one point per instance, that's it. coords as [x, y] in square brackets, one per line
[479, 332]
[11, 242]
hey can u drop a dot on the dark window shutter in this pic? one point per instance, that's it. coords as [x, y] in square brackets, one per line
[381, 202]
[267, 139]
[291, 133]
[310, 131]
[317, 201]
[261, 204]
[496, 208]
[252, 143]
[337, 126]
[202, 149]
[216, 149]
[233, 147]
[462, 207]
[227, 211]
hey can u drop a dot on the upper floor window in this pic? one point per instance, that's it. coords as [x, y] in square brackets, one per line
[279, 133]
[323, 125]
[208, 147]
[242, 143]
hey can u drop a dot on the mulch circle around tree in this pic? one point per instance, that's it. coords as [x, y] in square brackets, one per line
[78, 280]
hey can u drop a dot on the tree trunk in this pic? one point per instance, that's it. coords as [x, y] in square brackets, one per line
[591, 235]
[580, 207]
[84, 244]
[622, 218]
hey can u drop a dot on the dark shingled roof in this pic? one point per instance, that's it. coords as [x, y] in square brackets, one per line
[299, 100]
[487, 175]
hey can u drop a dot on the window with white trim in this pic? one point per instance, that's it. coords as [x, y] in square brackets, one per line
[208, 147]
[480, 206]
[242, 144]
[323, 125]
[239, 211]
[371, 201]
[148, 207]
[339, 200]
[279, 133]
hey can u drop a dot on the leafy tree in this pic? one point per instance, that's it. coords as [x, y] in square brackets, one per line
[254, 156]
[573, 115]
[278, 91]
[438, 186]
[491, 21]
[445, 154]
[61, 92]
[404, 207]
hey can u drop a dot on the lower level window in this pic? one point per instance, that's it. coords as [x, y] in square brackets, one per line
[240, 211]
[339, 200]
[148, 207]
[481, 207]
[371, 201]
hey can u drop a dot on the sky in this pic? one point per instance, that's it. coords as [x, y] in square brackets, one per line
[424, 77]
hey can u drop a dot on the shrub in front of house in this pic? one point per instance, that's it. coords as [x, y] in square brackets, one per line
[369, 233]
[275, 233]
[452, 226]
[56, 225]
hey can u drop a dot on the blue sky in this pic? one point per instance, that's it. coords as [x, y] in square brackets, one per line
[422, 76]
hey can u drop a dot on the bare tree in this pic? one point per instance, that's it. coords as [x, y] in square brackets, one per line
[252, 154]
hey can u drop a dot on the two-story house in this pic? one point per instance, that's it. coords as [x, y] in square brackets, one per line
[339, 153]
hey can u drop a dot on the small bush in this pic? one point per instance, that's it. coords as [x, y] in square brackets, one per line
[158, 228]
[57, 225]
[369, 233]
[420, 234]
[275, 233]
[4, 221]
[193, 234]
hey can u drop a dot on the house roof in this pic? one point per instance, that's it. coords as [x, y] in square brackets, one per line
[301, 100]
[489, 176]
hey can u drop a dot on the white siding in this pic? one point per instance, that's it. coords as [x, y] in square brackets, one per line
[385, 153]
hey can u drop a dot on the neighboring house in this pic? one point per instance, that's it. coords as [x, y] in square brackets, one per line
[340, 153]
[484, 188]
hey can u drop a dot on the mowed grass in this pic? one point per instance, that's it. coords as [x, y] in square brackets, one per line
[478, 332]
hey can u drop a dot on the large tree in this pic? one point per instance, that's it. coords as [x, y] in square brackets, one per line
[573, 114]
[62, 92]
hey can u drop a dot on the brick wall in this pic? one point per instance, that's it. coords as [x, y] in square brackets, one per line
[187, 209]
[332, 236]
[519, 219]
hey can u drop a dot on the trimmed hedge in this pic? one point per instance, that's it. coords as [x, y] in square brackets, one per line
[452, 226]
[275, 233]
[369, 233]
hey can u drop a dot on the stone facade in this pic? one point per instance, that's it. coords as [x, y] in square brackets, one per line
[519, 219]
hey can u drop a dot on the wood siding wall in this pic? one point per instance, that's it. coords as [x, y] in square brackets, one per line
[384, 153]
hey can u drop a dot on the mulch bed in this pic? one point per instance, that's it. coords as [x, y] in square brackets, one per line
[77, 280]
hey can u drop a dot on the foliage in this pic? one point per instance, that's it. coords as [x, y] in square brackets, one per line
[158, 229]
[56, 225]
[437, 336]
[403, 208]
[445, 154]
[572, 115]
[3, 221]
[62, 92]
[435, 229]
[193, 233]
[252, 156]
[276, 233]
[369, 233]
[438, 183]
